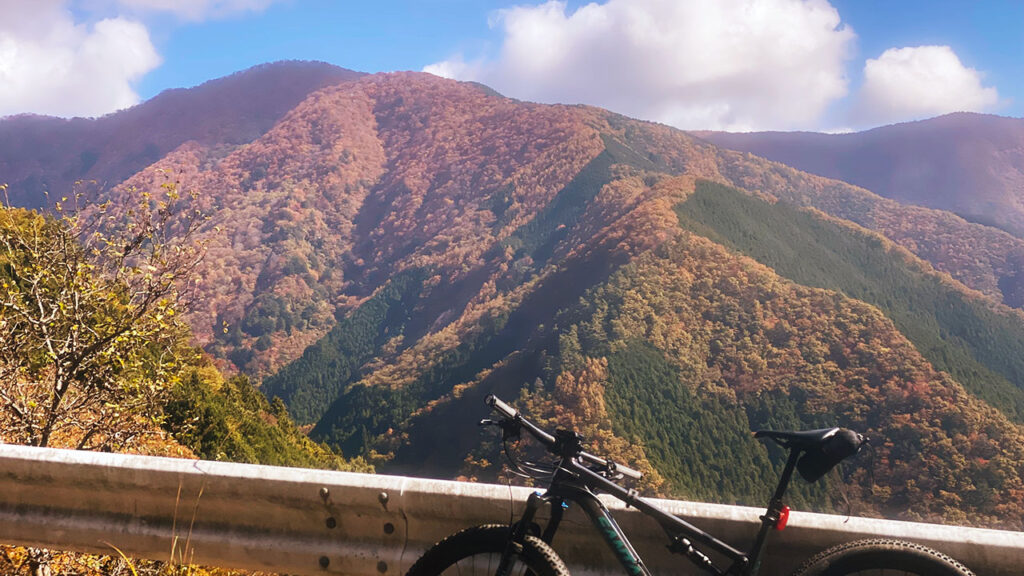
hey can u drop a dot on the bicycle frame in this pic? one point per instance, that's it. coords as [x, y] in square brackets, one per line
[574, 482]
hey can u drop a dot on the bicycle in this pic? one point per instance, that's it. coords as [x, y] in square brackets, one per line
[577, 476]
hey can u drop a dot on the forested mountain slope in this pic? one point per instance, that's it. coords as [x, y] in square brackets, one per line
[983, 258]
[393, 171]
[686, 348]
[957, 332]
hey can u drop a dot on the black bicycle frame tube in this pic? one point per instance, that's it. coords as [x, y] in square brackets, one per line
[573, 483]
[666, 520]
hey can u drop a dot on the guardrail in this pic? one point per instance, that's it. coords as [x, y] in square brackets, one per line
[317, 522]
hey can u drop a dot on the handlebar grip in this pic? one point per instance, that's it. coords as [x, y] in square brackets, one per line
[627, 471]
[612, 466]
[496, 403]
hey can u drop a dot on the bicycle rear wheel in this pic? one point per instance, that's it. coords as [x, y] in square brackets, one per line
[477, 552]
[879, 557]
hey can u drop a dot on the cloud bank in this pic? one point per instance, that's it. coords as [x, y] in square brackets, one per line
[920, 82]
[50, 64]
[701, 64]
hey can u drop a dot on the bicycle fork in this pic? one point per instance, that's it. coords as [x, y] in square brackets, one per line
[599, 515]
[521, 529]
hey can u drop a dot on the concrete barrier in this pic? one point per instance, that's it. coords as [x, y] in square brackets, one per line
[316, 522]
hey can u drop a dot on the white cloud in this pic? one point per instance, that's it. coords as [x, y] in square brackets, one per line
[197, 10]
[455, 67]
[49, 64]
[701, 64]
[912, 83]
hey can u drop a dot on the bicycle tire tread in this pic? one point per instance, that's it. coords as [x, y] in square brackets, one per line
[485, 538]
[831, 560]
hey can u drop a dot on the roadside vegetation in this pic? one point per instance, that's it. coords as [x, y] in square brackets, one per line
[95, 354]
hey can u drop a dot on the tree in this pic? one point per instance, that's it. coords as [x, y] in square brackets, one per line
[91, 336]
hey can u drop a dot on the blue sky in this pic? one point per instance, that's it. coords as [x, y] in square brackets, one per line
[696, 64]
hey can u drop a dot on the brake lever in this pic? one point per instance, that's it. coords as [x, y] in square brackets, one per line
[865, 442]
[509, 428]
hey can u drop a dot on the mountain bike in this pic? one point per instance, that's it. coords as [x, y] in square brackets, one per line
[576, 476]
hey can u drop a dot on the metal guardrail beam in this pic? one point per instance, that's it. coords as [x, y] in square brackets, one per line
[317, 522]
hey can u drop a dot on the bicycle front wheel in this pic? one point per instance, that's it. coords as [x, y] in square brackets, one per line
[882, 556]
[477, 552]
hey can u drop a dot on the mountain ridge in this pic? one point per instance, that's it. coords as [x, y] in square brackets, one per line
[40, 154]
[967, 163]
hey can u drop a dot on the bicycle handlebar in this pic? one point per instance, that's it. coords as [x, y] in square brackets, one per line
[496, 403]
[548, 440]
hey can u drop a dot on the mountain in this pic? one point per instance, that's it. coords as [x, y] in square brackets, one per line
[397, 246]
[966, 163]
[40, 154]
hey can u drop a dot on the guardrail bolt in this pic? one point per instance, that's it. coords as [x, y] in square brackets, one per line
[325, 562]
[382, 566]
[324, 493]
[332, 523]
[389, 528]
[383, 497]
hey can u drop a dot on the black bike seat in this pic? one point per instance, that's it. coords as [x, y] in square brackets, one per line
[802, 439]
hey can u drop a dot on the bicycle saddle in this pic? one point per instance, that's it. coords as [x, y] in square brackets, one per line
[803, 439]
[822, 449]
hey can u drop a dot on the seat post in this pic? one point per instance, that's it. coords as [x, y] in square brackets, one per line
[787, 474]
[771, 515]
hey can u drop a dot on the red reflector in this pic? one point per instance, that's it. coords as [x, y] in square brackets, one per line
[780, 524]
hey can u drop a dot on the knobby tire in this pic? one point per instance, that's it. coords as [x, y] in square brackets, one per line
[477, 552]
[882, 556]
